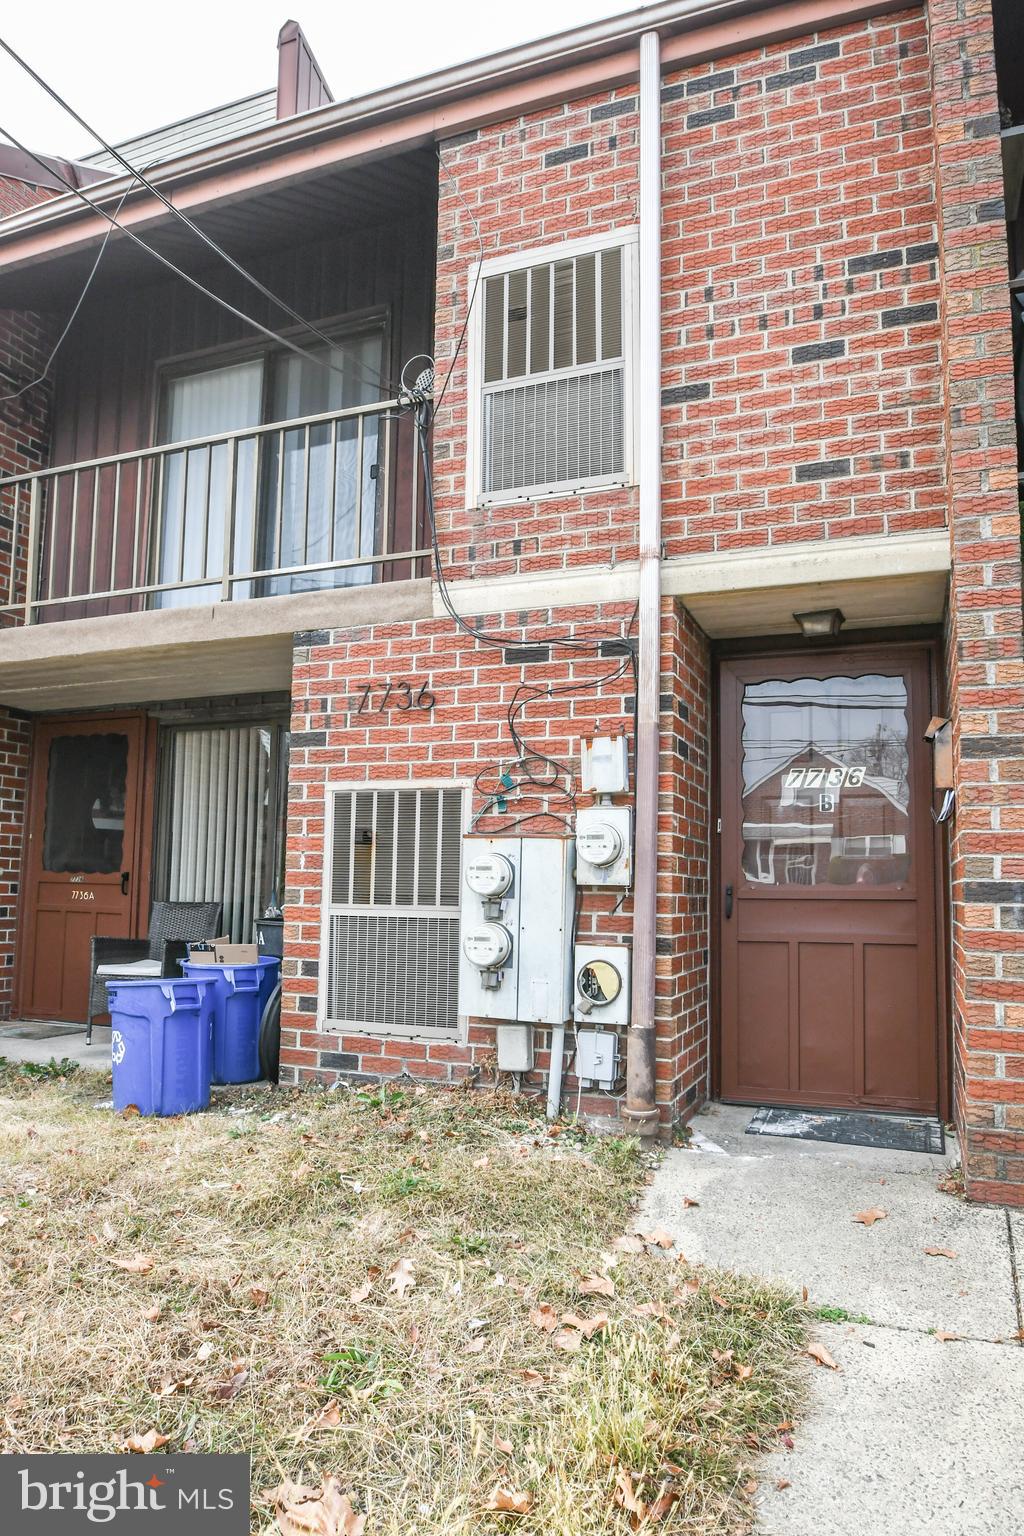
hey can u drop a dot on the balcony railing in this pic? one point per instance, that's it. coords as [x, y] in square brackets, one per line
[324, 501]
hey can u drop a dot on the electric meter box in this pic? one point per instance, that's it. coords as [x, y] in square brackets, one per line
[601, 985]
[515, 939]
[604, 765]
[604, 846]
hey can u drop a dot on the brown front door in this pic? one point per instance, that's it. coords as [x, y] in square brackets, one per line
[82, 858]
[827, 985]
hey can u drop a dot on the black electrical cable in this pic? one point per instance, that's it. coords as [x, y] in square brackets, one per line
[166, 262]
[378, 380]
[41, 377]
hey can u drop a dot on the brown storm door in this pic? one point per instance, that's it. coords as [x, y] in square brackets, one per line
[827, 895]
[82, 858]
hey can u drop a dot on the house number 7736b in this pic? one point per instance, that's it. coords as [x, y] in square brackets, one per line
[395, 693]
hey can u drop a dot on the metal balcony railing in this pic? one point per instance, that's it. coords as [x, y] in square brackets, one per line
[323, 501]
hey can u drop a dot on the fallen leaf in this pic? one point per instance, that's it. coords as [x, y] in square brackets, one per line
[360, 1293]
[947, 1338]
[152, 1440]
[544, 1317]
[659, 1238]
[588, 1326]
[204, 1351]
[18, 1317]
[109, 1231]
[782, 1482]
[402, 1278]
[625, 1496]
[663, 1503]
[475, 1346]
[652, 1309]
[690, 1285]
[330, 1418]
[805, 1293]
[534, 1378]
[504, 1446]
[152, 1314]
[687, 1202]
[820, 1354]
[628, 1244]
[595, 1285]
[481, 1162]
[567, 1339]
[141, 1264]
[868, 1218]
[172, 1385]
[224, 1391]
[311, 1512]
[509, 1501]
[940, 1253]
[742, 1372]
[129, 1111]
[258, 1296]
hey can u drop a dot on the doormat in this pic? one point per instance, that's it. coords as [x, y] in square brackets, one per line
[852, 1128]
[40, 1031]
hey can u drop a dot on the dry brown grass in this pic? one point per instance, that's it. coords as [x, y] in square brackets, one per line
[264, 1216]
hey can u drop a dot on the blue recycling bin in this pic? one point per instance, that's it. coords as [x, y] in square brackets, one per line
[161, 1044]
[240, 994]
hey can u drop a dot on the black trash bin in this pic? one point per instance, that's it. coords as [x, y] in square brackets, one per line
[270, 935]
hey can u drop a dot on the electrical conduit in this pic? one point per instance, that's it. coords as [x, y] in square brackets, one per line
[640, 1110]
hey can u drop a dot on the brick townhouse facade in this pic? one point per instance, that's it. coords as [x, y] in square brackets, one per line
[828, 383]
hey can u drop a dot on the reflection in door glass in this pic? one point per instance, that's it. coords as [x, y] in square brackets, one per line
[85, 791]
[826, 782]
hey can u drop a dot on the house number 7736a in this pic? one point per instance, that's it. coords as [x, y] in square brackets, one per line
[394, 693]
[77, 895]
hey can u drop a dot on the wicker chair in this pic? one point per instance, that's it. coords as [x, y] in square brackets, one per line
[172, 927]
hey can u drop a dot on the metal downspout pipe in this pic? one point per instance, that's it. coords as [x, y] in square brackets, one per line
[640, 1110]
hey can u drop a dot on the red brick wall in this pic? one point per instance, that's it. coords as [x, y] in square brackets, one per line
[466, 732]
[801, 336]
[25, 341]
[984, 640]
[801, 341]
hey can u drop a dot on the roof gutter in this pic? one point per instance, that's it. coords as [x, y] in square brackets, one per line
[478, 77]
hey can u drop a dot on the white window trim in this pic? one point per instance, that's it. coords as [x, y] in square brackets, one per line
[323, 1023]
[494, 266]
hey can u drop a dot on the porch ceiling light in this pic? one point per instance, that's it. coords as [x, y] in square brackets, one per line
[823, 624]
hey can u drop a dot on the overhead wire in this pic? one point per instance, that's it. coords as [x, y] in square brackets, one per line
[42, 377]
[378, 380]
[165, 261]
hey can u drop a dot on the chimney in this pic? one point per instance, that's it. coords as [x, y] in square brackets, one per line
[300, 82]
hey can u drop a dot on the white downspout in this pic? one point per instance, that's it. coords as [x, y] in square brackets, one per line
[640, 1110]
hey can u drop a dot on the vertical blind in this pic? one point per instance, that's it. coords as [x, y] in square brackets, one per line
[215, 826]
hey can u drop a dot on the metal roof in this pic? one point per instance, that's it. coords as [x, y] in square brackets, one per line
[191, 134]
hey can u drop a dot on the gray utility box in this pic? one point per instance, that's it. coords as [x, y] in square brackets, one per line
[515, 952]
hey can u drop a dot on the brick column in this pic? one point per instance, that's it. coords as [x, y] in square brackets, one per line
[984, 641]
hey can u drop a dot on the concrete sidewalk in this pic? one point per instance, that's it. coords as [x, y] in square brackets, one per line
[911, 1434]
[40, 1043]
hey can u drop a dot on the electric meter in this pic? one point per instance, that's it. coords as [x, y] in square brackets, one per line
[489, 875]
[487, 945]
[599, 982]
[599, 843]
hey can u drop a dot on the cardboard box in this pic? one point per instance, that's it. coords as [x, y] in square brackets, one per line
[223, 952]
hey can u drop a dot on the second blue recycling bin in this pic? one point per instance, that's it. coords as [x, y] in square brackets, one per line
[240, 993]
[160, 1044]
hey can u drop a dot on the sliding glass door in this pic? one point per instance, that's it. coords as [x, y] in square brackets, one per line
[192, 495]
[220, 832]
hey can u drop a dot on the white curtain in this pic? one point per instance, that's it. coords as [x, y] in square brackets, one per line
[215, 830]
[194, 488]
[322, 522]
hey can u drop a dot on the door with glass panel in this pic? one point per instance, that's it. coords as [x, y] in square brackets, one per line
[827, 918]
[194, 485]
[83, 858]
[321, 499]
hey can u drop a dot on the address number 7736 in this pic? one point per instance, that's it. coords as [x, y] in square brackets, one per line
[395, 693]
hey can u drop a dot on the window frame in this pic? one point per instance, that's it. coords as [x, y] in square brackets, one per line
[543, 255]
[323, 1022]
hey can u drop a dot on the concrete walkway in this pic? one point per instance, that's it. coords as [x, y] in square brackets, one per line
[911, 1434]
[20, 1041]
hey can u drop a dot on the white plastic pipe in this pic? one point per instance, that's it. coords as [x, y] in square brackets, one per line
[640, 1110]
[555, 1071]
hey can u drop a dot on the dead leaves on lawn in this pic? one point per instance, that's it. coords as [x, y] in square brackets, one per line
[326, 1511]
[595, 1285]
[138, 1264]
[152, 1440]
[402, 1278]
[868, 1218]
[820, 1355]
[508, 1501]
